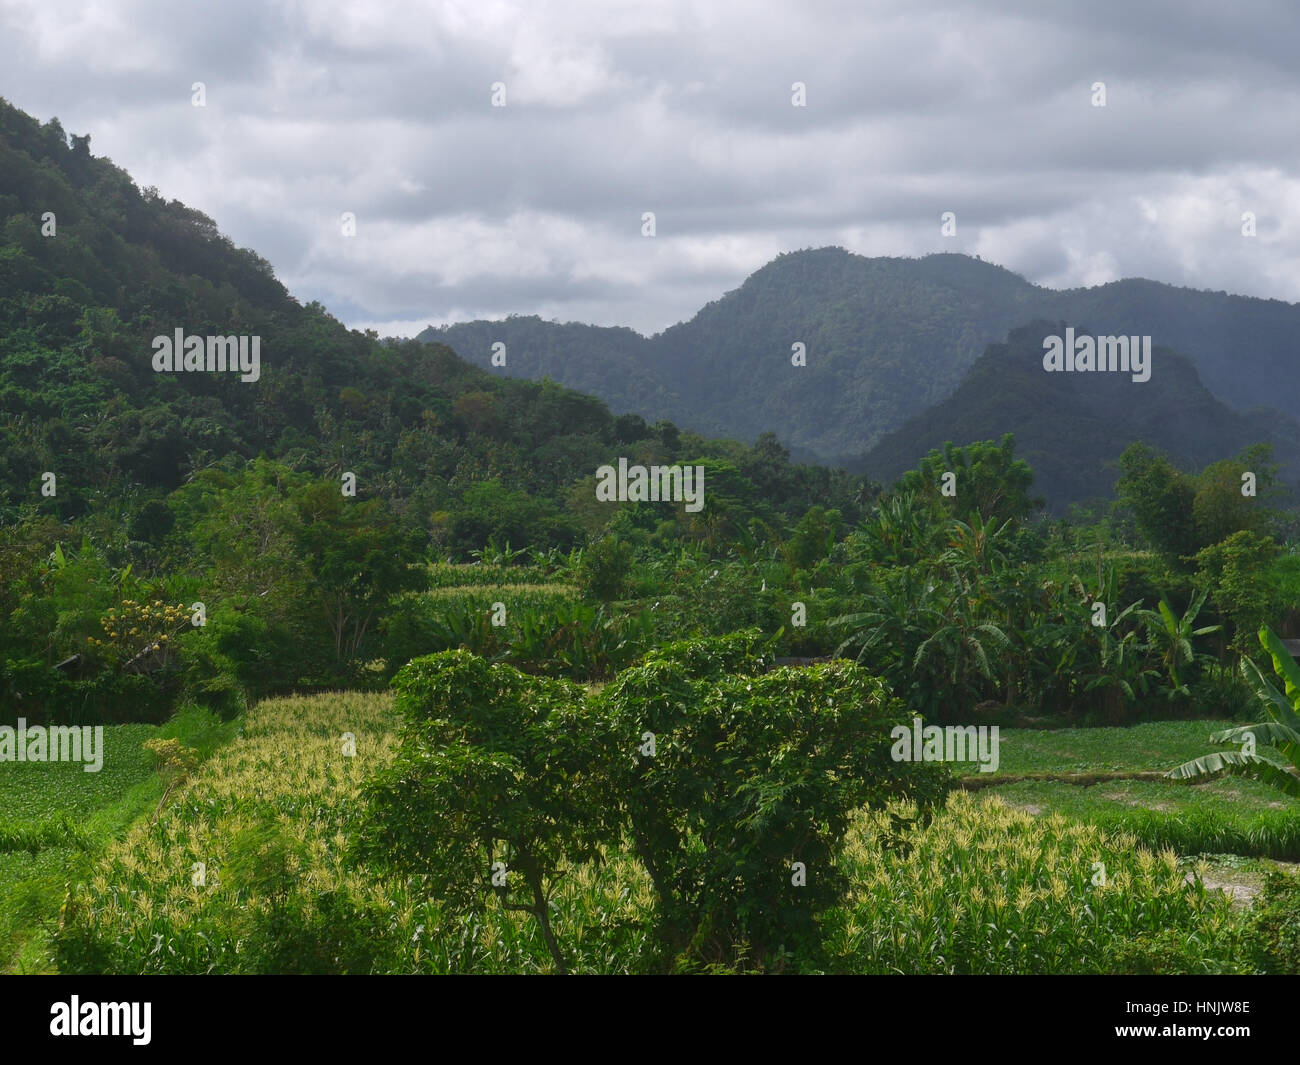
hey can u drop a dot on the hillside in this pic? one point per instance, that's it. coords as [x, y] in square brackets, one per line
[93, 269]
[1072, 427]
[885, 337]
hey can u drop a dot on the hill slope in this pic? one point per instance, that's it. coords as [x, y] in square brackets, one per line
[1072, 427]
[92, 269]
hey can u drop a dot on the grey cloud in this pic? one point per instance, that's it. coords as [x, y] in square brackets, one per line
[684, 109]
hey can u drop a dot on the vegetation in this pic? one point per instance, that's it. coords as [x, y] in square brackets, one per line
[1279, 730]
[888, 339]
[632, 736]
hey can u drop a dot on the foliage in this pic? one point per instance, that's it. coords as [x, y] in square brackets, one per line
[1280, 728]
[603, 570]
[749, 775]
[495, 780]
[985, 888]
[1275, 925]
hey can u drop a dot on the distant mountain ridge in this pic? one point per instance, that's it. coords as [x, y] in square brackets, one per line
[1072, 427]
[885, 339]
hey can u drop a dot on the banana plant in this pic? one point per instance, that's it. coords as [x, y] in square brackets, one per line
[1280, 728]
[1172, 638]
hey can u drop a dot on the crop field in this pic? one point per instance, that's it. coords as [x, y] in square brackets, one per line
[57, 818]
[268, 819]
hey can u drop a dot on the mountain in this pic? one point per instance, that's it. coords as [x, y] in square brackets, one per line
[1072, 426]
[885, 339]
[95, 272]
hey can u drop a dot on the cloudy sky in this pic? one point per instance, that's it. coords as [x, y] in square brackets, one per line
[913, 108]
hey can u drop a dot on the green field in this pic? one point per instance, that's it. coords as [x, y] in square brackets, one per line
[100, 807]
[1152, 745]
[269, 816]
[1235, 815]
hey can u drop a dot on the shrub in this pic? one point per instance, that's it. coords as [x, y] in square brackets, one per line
[738, 792]
[604, 568]
[1275, 925]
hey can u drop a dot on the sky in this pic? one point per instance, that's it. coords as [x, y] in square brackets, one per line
[464, 209]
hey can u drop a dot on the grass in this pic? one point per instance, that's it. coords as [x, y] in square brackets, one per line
[268, 817]
[1232, 815]
[477, 574]
[1151, 745]
[74, 815]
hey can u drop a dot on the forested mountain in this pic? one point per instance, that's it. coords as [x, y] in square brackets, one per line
[92, 269]
[1071, 427]
[885, 339]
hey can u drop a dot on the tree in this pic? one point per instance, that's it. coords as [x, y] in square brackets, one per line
[738, 789]
[1236, 574]
[1162, 499]
[1172, 638]
[813, 538]
[492, 792]
[1219, 508]
[989, 480]
[604, 568]
[358, 559]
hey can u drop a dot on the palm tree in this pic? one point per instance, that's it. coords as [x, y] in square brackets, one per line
[1280, 729]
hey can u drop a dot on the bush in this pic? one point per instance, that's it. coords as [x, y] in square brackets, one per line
[604, 568]
[1275, 925]
[738, 808]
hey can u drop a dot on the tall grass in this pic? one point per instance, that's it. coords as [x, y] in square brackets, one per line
[268, 817]
[1229, 816]
[56, 819]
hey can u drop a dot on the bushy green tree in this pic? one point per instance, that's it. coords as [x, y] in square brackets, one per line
[989, 480]
[1161, 497]
[737, 791]
[603, 569]
[494, 780]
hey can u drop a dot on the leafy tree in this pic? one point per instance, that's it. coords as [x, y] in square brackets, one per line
[1162, 498]
[989, 480]
[813, 537]
[359, 560]
[1236, 573]
[603, 569]
[1172, 638]
[749, 775]
[493, 767]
